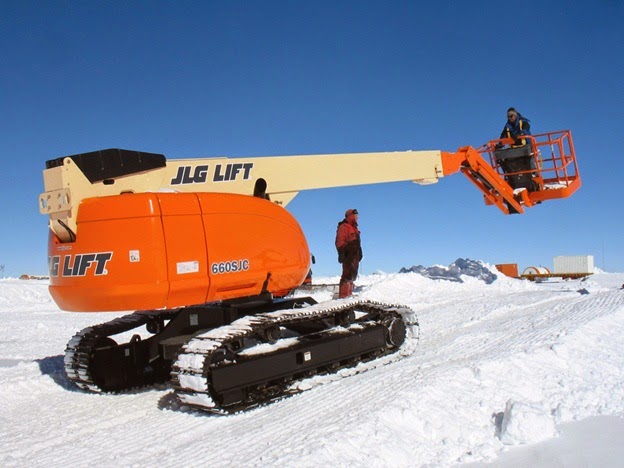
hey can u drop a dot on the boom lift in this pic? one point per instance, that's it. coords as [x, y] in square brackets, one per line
[204, 250]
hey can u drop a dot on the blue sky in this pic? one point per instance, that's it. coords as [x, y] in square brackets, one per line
[242, 78]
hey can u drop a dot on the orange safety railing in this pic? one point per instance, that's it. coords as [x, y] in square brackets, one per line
[553, 171]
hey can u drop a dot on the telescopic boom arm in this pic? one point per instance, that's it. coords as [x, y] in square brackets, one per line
[71, 179]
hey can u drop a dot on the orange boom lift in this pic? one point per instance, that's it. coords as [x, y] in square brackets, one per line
[205, 251]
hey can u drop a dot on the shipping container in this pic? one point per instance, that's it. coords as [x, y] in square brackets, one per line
[508, 269]
[574, 264]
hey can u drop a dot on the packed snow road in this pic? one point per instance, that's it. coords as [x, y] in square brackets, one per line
[497, 365]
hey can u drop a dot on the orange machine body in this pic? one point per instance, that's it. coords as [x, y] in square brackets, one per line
[166, 250]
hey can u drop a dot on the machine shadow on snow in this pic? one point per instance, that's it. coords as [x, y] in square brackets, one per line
[171, 402]
[54, 366]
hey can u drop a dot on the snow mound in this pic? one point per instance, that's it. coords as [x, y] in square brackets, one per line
[16, 291]
[454, 272]
[526, 423]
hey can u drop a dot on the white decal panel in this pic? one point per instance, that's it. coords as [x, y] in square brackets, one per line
[187, 267]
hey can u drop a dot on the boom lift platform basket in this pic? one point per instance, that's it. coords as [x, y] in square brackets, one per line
[545, 168]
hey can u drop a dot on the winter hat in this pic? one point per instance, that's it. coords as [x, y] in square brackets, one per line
[350, 212]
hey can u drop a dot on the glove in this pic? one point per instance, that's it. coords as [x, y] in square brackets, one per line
[341, 255]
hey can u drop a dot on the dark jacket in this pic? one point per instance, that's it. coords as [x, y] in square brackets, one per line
[521, 126]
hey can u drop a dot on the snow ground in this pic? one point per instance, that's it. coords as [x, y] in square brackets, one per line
[511, 373]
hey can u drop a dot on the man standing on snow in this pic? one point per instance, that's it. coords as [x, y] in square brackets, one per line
[349, 251]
